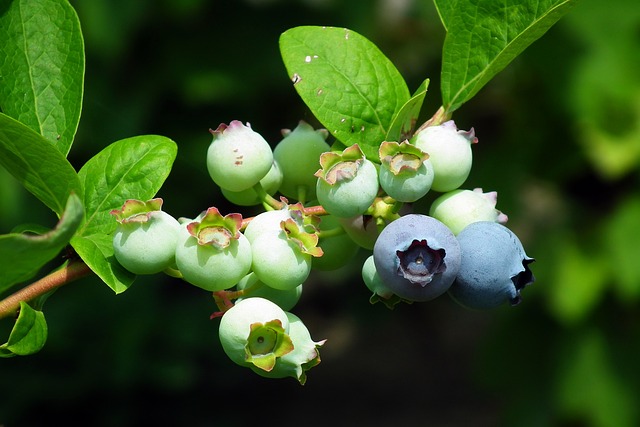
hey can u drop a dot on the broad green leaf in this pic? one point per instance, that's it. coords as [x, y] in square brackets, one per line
[42, 67]
[484, 36]
[404, 121]
[132, 168]
[351, 87]
[37, 164]
[28, 335]
[22, 255]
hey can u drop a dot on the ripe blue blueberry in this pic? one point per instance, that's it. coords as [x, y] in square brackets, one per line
[417, 257]
[494, 267]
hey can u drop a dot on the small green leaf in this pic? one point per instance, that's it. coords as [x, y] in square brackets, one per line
[37, 164]
[42, 67]
[484, 36]
[404, 121]
[21, 255]
[351, 87]
[132, 168]
[29, 333]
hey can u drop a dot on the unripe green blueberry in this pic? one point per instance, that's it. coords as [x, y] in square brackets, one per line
[362, 229]
[299, 156]
[145, 238]
[304, 356]
[249, 197]
[372, 280]
[283, 260]
[212, 253]
[459, 208]
[450, 153]
[267, 222]
[255, 331]
[286, 299]
[238, 157]
[338, 248]
[347, 182]
[405, 174]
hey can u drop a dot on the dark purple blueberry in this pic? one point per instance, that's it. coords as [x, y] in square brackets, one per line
[417, 257]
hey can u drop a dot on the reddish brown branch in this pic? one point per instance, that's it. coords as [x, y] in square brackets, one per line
[73, 271]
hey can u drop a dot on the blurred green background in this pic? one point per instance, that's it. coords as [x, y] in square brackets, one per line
[559, 135]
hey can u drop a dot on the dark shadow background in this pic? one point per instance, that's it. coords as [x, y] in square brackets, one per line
[559, 133]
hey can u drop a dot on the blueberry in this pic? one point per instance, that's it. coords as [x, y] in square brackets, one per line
[494, 267]
[417, 257]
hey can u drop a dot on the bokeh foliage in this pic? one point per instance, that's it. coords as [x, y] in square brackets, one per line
[559, 134]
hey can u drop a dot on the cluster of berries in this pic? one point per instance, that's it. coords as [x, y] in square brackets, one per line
[344, 202]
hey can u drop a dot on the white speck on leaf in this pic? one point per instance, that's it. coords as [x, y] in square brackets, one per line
[319, 92]
[307, 59]
[296, 78]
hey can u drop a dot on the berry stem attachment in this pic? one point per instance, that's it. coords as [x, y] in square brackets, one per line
[333, 232]
[268, 201]
[438, 118]
[72, 271]
[302, 194]
[223, 301]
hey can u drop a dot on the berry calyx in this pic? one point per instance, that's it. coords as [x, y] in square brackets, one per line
[417, 257]
[212, 253]
[254, 333]
[304, 356]
[406, 174]
[347, 182]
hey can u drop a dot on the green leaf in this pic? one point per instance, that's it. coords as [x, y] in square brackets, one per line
[132, 168]
[28, 335]
[351, 87]
[96, 251]
[22, 255]
[42, 67]
[404, 121]
[484, 36]
[37, 164]
[621, 232]
[580, 281]
[590, 383]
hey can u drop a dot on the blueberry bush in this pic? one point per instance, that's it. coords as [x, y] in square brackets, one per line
[374, 185]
